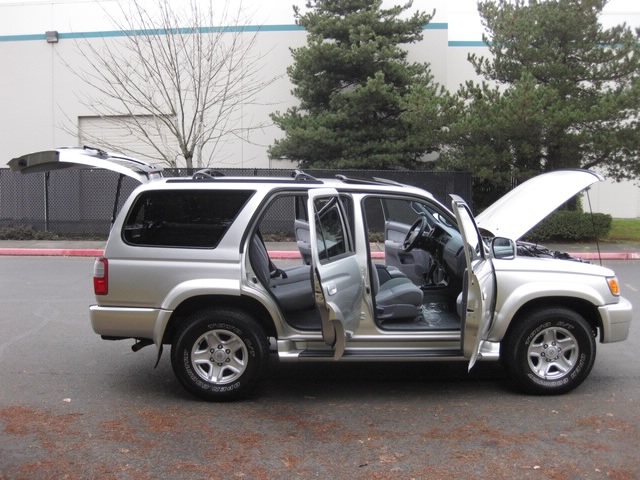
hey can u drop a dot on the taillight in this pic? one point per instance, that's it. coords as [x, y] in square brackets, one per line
[101, 276]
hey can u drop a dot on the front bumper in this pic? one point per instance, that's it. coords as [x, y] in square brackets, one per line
[616, 320]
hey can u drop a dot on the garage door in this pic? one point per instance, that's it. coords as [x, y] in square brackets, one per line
[119, 134]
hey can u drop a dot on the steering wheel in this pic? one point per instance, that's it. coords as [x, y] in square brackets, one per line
[414, 235]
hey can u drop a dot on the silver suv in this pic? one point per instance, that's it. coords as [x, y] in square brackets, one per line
[186, 265]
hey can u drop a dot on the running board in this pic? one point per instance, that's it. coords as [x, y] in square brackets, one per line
[372, 355]
[489, 351]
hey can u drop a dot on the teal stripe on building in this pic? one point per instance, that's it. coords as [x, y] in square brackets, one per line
[124, 33]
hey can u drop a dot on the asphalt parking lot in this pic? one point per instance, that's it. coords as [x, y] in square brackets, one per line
[75, 406]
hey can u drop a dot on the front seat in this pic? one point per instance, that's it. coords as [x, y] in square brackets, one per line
[397, 298]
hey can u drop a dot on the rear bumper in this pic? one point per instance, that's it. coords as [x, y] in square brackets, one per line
[124, 322]
[616, 320]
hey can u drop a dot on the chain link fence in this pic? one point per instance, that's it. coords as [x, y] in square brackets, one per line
[79, 203]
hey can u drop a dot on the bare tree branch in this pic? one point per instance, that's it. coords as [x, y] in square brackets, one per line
[176, 79]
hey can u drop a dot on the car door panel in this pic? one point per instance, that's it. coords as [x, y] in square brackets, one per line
[303, 239]
[479, 284]
[413, 264]
[338, 284]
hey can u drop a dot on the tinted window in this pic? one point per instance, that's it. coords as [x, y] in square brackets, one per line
[183, 218]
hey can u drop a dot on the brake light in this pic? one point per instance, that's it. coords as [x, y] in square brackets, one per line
[101, 276]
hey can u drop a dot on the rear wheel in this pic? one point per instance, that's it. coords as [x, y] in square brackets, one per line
[219, 354]
[550, 351]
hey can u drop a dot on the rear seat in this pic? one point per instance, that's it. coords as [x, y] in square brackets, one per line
[291, 287]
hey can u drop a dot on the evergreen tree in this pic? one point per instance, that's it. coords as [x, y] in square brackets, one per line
[560, 91]
[362, 104]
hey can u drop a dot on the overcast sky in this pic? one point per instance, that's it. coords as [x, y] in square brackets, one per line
[37, 16]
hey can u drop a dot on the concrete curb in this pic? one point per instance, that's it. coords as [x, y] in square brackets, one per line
[275, 254]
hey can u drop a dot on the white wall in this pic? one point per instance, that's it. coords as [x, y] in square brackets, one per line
[39, 94]
[619, 199]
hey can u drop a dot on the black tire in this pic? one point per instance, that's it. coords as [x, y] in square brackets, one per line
[219, 354]
[550, 351]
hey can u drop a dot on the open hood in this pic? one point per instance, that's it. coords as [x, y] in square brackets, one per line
[525, 206]
[85, 157]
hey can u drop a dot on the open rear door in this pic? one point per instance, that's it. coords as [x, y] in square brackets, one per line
[479, 286]
[338, 281]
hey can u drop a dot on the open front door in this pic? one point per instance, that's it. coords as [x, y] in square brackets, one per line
[338, 281]
[478, 296]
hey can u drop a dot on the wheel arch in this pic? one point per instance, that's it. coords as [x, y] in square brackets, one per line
[249, 306]
[582, 307]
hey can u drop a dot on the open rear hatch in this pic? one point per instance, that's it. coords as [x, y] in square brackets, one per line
[87, 157]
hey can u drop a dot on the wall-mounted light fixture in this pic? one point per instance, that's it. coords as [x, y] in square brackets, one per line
[51, 36]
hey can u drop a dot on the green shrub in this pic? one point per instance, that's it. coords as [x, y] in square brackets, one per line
[571, 226]
[25, 232]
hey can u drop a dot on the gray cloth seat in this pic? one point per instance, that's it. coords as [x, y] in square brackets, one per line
[397, 298]
[291, 287]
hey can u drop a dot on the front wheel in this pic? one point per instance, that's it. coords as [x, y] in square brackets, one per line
[219, 354]
[550, 351]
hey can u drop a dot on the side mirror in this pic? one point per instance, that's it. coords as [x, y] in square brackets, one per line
[503, 248]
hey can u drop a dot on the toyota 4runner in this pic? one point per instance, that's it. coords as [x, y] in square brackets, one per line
[186, 265]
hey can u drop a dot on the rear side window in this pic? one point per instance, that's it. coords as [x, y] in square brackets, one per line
[183, 218]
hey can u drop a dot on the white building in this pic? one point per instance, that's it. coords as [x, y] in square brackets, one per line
[40, 95]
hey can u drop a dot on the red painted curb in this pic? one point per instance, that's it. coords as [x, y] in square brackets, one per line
[52, 252]
[293, 255]
[275, 254]
[607, 255]
[284, 255]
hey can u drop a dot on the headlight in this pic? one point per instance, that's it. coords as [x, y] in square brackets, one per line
[614, 287]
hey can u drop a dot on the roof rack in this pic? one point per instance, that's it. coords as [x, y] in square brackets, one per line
[367, 181]
[207, 174]
[355, 180]
[300, 176]
[386, 181]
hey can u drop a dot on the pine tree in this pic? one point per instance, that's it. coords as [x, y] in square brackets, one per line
[362, 104]
[560, 91]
